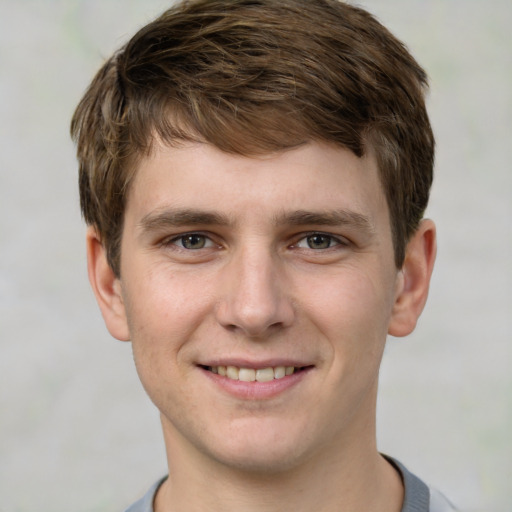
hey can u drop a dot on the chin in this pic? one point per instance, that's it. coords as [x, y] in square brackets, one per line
[266, 461]
[262, 449]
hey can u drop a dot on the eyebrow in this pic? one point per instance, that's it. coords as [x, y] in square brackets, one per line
[178, 217]
[340, 217]
[174, 217]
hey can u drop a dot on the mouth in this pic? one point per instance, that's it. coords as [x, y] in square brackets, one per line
[255, 374]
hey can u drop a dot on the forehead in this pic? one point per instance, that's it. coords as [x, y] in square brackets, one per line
[315, 176]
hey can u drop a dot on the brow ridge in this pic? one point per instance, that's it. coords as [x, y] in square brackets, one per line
[176, 217]
[341, 217]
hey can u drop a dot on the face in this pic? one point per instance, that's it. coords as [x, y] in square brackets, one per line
[278, 271]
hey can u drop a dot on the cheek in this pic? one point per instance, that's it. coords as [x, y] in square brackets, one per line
[163, 312]
[352, 313]
[164, 305]
[351, 303]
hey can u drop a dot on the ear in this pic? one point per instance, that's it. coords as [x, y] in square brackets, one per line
[414, 280]
[106, 287]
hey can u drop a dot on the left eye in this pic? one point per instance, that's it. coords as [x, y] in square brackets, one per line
[317, 241]
[193, 241]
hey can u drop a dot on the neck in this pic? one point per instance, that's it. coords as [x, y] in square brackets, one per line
[340, 478]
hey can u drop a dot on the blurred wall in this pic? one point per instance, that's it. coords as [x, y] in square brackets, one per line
[76, 430]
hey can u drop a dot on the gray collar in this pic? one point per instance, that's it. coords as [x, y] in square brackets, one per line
[417, 497]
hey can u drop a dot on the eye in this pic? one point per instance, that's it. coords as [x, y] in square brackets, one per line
[318, 241]
[192, 241]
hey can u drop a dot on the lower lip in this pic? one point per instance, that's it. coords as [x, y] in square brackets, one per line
[257, 390]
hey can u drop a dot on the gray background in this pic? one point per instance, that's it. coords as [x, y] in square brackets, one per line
[76, 430]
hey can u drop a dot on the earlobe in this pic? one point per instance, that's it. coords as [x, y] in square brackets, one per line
[414, 279]
[106, 287]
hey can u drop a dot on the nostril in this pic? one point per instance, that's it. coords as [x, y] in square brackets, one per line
[255, 308]
[255, 331]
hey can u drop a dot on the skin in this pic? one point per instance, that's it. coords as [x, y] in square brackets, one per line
[283, 259]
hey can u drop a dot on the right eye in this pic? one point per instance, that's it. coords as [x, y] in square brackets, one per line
[192, 241]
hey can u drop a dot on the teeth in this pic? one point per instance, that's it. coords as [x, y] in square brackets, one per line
[251, 375]
[280, 372]
[247, 374]
[265, 374]
[232, 372]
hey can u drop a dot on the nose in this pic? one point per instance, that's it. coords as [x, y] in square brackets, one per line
[254, 300]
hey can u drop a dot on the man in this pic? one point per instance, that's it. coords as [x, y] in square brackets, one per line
[254, 175]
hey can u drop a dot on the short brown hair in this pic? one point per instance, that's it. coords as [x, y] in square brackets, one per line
[253, 77]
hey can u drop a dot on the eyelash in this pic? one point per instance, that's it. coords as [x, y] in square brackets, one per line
[179, 241]
[332, 241]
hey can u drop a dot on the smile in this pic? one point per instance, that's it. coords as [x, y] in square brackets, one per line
[253, 374]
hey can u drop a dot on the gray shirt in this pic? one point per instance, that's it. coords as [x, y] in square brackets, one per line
[418, 496]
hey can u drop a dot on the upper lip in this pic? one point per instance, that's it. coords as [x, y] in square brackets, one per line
[256, 364]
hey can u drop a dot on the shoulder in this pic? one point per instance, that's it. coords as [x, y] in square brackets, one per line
[419, 497]
[439, 503]
[145, 504]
